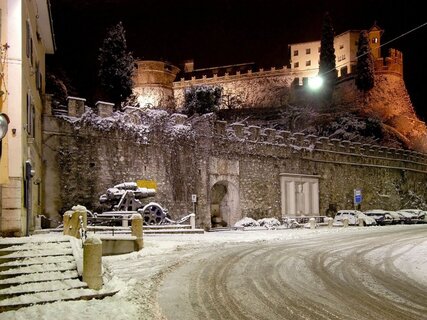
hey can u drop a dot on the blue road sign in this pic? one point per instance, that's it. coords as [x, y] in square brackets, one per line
[357, 196]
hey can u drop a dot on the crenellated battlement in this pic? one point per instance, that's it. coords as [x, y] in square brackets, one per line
[203, 79]
[314, 144]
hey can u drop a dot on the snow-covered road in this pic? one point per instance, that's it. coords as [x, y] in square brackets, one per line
[339, 273]
[347, 275]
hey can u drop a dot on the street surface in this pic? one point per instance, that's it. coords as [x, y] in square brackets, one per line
[336, 275]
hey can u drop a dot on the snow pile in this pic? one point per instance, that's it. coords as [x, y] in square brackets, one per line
[269, 223]
[246, 222]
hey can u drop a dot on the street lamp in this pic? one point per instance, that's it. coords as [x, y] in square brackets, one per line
[315, 82]
[4, 123]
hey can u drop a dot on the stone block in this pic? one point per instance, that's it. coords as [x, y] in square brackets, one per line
[76, 106]
[104, 109]
[254, 132]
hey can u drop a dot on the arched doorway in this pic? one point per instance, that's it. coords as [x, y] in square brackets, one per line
[224, 204]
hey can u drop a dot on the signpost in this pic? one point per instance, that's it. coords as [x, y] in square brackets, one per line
[194, 201]
[357, 197]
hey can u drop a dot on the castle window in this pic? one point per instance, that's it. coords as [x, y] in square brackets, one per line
[341, 46]
[295, 52]
[318, 50]
[374, 40]
[296, 64]
[308, 63]
[307, 51]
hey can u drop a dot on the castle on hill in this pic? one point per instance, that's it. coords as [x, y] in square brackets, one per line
[160, 84]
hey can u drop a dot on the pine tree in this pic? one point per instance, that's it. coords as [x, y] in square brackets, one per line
[116, 65]
[327, 67]
[365, 80]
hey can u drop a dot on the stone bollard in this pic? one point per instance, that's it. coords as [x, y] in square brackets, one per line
[345, 222]
[71, 220]
[361, 222]
[330, 222]
[66, 218]
[137, 230]
[37, 222]
[193, 220]
[312, 222]
[92, 263]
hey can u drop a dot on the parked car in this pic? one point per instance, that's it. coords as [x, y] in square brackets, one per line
[381, 217]
[422, 217]
[421, 214]
[408, 217]
[397, 218]
[353, 217]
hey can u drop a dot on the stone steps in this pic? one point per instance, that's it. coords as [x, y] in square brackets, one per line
[38, 271]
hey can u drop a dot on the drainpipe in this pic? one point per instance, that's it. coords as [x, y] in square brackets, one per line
[29, 174]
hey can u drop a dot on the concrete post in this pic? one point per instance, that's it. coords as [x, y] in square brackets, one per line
[193, 220]
[137, 230]
[312, 222]
[125, 221]
[71, 221]
[66, 222]
[361, 222]
[345, 222]
[37, 222]
[92, 263]
[330, 222]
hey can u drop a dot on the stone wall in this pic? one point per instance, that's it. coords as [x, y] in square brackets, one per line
[261, 89]
[86, 155]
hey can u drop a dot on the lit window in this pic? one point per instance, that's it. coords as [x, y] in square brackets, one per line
[307, 51]
[308, 63]
[295, 52]
[296, 64]
[374, 40]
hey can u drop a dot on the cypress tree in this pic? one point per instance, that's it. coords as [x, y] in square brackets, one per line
[116, 65]
[365, 80]
[327, 67]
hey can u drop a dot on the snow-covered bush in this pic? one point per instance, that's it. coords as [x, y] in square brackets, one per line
[202, 99]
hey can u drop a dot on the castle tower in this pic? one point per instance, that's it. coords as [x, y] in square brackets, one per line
[153, 84]
[375, 34]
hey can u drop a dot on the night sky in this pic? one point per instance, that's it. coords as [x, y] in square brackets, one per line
[225, 32]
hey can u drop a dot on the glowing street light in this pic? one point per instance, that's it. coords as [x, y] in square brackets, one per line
[315, 82]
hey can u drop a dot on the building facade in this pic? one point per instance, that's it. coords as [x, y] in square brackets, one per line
[304, 56]
[26, 33]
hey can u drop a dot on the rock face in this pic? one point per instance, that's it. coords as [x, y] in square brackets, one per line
[388, 101]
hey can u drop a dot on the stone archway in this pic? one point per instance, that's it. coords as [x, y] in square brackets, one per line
[224, 204]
